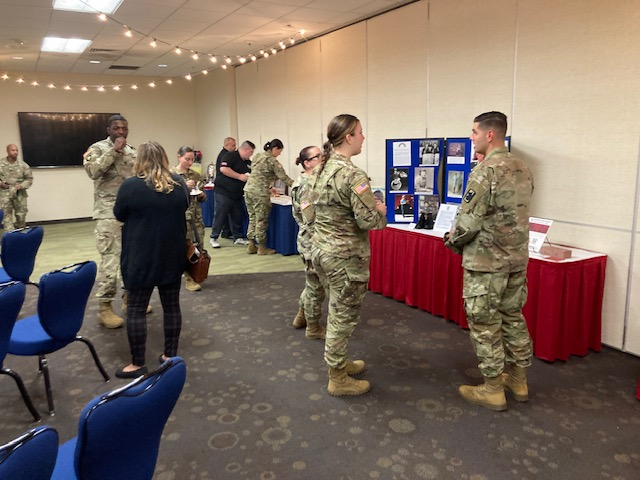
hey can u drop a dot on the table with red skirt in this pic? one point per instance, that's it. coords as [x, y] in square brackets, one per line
[564, 305]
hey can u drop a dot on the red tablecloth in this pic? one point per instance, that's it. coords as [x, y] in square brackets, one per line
[563, 310]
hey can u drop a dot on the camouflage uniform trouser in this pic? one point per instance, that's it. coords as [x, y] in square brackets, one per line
[109, 242]
[258, 207]
[345, 280]
[312, 296]
[199, 226]
[493, 303]
[13, 204]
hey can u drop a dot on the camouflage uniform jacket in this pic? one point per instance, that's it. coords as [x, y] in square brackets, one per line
[193, 199]
[345, 209]
[492, 226]
[265, 168]
[108, 169]
[14, 173]
[300, 191]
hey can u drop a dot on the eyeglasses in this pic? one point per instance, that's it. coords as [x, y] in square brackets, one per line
[314, 157]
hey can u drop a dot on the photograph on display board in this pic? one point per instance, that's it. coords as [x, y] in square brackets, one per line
[403, 208]
[454, 183]
[399, 180]
[456, 153]
[401, 154]
[429, 152]
[428, 204]
[423, 179]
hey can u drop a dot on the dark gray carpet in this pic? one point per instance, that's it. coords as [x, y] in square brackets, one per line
[255, 404]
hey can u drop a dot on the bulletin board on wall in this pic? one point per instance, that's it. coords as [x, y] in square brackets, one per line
[413, 180]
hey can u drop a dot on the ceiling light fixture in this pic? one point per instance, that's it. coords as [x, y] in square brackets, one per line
[64, 45]
[87, 6]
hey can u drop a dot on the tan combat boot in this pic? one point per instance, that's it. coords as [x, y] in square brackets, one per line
[125, 300]
[191, 285]
[489, 395]
[107, 317]
[342, 384]
[299, 321]
[315, 331]
[251, 247]
[516, 382]
[264, 250]
[354, 367]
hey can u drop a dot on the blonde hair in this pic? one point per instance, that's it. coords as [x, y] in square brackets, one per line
[152, 165]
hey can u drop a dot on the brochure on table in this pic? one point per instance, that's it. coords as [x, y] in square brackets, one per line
[538, 229]
[412, 186]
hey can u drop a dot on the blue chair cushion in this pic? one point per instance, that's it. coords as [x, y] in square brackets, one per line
[65, 469]
[29, 338]
[4, 276]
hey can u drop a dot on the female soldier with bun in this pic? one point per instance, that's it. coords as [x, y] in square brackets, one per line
[265, 168]
[345, 209]
[312, 296]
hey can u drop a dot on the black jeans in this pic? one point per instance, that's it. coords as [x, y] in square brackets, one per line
[227, 208]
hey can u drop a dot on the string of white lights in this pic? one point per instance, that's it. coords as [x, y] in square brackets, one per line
[226, 60]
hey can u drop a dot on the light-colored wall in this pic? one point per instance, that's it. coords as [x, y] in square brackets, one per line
[164, 114]
[564, 72]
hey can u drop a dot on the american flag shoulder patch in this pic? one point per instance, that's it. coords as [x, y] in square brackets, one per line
[304, 204]
[361, 188]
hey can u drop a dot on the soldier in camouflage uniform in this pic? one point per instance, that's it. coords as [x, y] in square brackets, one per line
[492, 234]
[109, 162]
[345, 209]
[15, 179]
[265, 168]
[313, 294]
[186, 156]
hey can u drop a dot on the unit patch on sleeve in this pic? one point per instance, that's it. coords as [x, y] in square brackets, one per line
[469, 195]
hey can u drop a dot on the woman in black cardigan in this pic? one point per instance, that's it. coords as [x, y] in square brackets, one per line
[152, 205]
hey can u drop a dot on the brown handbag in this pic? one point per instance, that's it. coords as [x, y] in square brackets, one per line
[198, 260]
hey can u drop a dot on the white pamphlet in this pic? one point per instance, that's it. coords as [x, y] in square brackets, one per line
[446, 216]
[538, 228]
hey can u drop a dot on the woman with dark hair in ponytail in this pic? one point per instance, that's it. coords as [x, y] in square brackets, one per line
[345, 210]
[186, 157]
[312, 296]
[265, 168]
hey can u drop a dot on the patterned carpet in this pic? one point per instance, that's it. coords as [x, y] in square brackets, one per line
[255, 404]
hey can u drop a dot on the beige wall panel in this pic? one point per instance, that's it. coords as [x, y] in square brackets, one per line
[616, 245]
[632, 339]
[576, 90]
[343, 61]
[304, 104]
[471, 63]
[272, 86]
[250, 103]
[397, 82]
[164, 114]
[215, 112]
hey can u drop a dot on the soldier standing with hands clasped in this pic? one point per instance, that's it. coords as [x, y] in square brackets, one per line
[15, 179]
[491, 233]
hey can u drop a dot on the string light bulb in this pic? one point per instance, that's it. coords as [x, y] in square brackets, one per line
[102, 17]
[170, 82]
[224, 67]
[227, 60]
[152, 85]
[195, 56]
[5, 77]
[116, 88]
[205, 72]
[20, 80]
[253, 58]
[101, 88]
[51, 85]
[35, 84]
[188, 76]
[134, 87]
[178, 51]
[213, 59]
[67, 87]
[292, 41]
[243, 60]
[153, 43]
[128, 33]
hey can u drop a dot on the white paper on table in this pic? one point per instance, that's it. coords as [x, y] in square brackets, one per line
[446, 216]
[538, 229]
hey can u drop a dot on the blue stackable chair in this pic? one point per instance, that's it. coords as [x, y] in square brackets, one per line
[62, 301]
[31, 456]
[119, 432]
[19, 249]
[11, 299]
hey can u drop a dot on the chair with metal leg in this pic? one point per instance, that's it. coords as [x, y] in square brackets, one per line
[62, 301]
[11, 299]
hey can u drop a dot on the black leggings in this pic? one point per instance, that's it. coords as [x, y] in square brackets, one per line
[137, 320]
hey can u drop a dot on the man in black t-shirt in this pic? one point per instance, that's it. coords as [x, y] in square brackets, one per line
[229, 145]
[228, 193]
